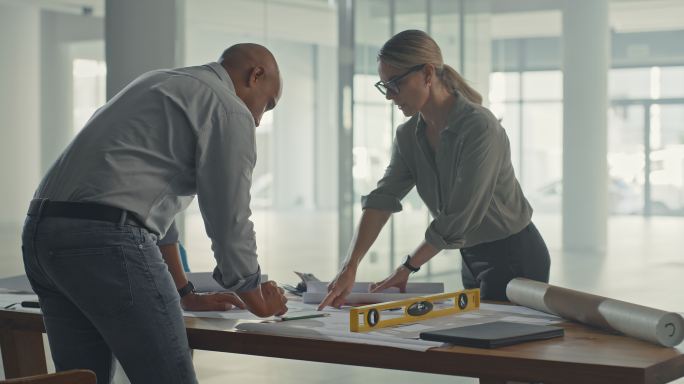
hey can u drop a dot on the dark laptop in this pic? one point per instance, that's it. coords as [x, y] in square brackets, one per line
[493, 335]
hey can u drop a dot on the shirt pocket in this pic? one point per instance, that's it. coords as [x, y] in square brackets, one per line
[95, 279]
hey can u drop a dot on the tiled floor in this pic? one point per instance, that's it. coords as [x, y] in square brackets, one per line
[644, 264]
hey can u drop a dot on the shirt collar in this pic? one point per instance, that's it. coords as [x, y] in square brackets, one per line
[453, 117]
[222, 74]
[458, 111]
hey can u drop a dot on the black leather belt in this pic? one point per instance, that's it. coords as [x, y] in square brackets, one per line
[80, 210]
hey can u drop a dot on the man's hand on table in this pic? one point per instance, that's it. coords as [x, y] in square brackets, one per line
[266, 300]
[213, 301]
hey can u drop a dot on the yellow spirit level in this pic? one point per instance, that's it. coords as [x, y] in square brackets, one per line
[370, 317]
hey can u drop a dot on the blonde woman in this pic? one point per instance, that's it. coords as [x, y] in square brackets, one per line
[457, 155]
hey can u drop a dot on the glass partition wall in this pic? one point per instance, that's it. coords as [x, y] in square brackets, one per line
[512, 52]
[294, 185]
[375, 121]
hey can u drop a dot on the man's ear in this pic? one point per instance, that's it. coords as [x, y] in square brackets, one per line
[255, 75]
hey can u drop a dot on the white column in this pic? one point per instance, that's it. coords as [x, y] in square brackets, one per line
[325, 128]
[20, 129]
[140, 36]
[345, 117]
[586, 60]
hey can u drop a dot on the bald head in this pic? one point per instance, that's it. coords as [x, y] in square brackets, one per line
[255, 75]
[248, 55]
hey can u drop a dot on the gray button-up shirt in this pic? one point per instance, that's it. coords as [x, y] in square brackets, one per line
[468, 184]
[168, 136]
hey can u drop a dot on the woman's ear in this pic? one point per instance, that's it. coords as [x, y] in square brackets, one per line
[429, 73]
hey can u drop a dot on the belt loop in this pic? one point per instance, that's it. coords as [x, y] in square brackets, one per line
[122, 219]
[43, 204]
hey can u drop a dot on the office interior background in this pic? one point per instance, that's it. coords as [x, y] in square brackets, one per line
[590, 92]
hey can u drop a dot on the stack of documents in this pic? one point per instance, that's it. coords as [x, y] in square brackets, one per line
[317, 290]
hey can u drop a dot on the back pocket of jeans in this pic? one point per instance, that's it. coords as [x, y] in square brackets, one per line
[95, 279]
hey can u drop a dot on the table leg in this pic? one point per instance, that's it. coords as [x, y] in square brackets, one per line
[23, 353]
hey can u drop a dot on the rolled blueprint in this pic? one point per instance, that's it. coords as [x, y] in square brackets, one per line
[649, 324]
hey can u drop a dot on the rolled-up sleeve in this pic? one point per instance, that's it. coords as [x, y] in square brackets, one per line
[471, 189]
[395, 184]
[225, 157]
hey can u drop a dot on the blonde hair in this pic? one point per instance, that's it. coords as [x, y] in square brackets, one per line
[412, 47]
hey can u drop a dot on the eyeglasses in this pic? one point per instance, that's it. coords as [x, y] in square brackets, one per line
[392, 86]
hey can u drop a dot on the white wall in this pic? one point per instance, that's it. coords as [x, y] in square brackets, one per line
[293, 132]
[58, 33]
[19, 106]
[302, 148]
[304, 21]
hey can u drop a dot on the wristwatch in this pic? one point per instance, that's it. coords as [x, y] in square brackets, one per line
[188, 288]
[407, 265]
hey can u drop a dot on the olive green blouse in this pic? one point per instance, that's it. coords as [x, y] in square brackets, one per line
[468, 183]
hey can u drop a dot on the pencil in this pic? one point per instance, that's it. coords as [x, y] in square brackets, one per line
[310, 316]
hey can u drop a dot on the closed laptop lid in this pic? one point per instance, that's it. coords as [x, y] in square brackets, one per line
[494, 334]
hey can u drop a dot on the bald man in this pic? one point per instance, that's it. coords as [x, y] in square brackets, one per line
[100, 244]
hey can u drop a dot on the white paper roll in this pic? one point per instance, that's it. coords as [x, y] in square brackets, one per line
[649, 324]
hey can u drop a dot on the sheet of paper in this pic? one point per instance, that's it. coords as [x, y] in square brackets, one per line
[7, 299]
[336, 327]
[233, 314]
[321, 333]
[15, 284]
[338, 323]
[414, 327]
[294, 307]
[316, 292]
[364, 287]
[470, 315]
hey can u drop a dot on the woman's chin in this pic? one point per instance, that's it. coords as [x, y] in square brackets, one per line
[407, 112]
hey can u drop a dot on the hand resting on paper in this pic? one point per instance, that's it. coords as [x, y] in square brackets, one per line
[211, 301]
[398, 279]
[266, 300]
[339, 288]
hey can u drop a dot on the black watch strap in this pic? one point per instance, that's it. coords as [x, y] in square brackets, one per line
[407, 265]
[188, 288]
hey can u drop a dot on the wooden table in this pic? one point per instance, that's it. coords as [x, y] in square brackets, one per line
[584, 355]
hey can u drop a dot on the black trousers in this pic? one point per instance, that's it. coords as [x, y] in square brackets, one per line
[490, 266]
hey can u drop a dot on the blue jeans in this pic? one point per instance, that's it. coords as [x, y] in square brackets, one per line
[106, 292]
